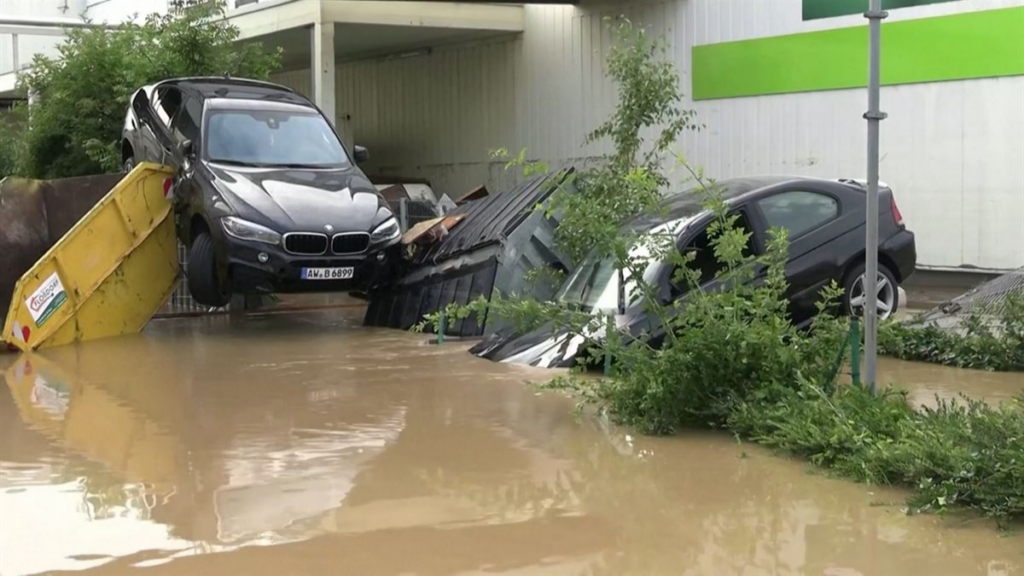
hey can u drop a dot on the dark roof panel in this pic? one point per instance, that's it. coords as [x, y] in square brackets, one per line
[241, 88]
[493, 217]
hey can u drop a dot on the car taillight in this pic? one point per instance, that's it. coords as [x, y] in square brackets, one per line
[896, 211]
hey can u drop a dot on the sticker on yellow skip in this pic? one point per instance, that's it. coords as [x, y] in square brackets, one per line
[46, 300]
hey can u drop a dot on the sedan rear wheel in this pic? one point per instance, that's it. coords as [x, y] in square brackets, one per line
[885, 286]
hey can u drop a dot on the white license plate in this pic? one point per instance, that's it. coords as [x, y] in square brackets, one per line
[328, 273]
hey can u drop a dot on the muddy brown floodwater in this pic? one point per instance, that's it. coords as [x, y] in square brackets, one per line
[303, 444]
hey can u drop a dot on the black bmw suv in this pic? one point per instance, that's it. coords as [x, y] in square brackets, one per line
[267, 198]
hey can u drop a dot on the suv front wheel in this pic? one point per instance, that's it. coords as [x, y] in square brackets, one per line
[203, 283]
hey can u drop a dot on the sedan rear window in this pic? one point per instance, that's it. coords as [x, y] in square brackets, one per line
[273, 138]
[798, 211]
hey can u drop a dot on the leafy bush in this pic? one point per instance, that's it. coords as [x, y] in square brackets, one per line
[977, 345]
[75, 126]
[8, 145]
[687, 381]
[958, 454]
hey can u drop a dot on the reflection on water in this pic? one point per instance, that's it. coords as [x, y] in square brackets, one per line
[299, 444]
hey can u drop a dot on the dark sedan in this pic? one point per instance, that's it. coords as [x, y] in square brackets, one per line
[267, 198]
[825, 220]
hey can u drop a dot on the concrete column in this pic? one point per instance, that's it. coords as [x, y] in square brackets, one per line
[323, 68]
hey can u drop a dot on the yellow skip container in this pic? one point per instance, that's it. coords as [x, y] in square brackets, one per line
[108, 275]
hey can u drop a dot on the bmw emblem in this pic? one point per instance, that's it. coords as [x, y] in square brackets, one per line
[328, 228]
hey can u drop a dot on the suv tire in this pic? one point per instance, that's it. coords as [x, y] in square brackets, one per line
[203, 283]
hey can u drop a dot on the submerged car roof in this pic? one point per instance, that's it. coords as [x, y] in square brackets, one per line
[207, 88]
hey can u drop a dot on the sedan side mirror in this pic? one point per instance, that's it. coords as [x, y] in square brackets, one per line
[666, 293]
[361, 154]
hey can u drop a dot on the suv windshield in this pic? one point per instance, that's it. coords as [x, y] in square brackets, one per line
[273, 138]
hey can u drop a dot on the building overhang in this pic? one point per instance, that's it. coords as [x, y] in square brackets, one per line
[366, 28]
[363, 28]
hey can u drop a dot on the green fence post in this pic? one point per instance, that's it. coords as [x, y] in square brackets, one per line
[609, 331]
[442, 327]
[837, 364]
[855, 351]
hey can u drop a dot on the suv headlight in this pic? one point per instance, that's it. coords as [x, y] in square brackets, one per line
[245, 230]
[389, 230]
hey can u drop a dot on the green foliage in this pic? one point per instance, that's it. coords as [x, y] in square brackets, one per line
[958, 454]
[630, 180]
[75, 127]
[684, 382]
[11, 126]
[529, 167]
[986, 342]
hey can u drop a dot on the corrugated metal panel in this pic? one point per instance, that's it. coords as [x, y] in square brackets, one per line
[437, 115]
[993, 172]
[299, 80]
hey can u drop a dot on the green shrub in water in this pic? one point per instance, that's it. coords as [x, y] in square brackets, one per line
[978, 345]
[722, 344]
[964, 454]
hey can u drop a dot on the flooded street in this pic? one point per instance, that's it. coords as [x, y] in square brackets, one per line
[303, 444]
[926, 382]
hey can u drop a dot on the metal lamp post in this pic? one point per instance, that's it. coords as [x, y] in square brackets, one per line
[874, 116]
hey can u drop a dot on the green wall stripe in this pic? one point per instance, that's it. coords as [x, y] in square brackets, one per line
[814, 9]
[961, 46]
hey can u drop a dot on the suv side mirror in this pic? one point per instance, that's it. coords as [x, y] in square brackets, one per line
[185, 149]
[361, 154]
[140, 105]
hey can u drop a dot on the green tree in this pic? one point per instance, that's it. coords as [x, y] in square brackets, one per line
[81, 95]
[10, 135]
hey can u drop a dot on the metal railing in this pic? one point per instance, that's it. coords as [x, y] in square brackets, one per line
[22, 37]
[19, 44]
[412, 212]
[9, 56]
[181, 302]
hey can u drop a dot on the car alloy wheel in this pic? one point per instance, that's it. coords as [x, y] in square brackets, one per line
[884, 288]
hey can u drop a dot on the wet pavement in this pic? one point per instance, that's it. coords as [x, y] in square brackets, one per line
[302, 444]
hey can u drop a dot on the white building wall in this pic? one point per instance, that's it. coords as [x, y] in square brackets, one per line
[115, 11]
[29, 45]
[43, 8]
[952, 151]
